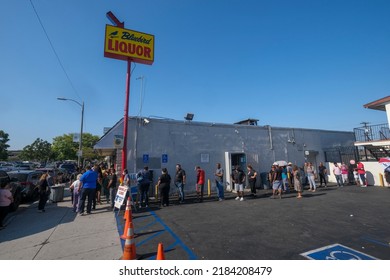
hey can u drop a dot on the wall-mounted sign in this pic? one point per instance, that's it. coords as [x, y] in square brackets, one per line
[123, 44]
[164, 158]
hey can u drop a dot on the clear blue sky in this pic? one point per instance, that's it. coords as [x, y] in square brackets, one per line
[308, 64]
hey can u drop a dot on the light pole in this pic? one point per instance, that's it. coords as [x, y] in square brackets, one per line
[79, 153]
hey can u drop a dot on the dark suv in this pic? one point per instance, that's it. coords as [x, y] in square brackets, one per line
[29, 179]
[15, 189]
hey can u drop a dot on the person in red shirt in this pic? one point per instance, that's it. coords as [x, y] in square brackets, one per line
[362, 174]
[200, 180]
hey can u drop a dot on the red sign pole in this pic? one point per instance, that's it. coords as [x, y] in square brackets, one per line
[126, 116]
[115, 21]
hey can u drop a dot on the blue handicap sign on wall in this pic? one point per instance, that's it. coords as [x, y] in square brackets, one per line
[336, 252]
[145, 158]
[164, 158]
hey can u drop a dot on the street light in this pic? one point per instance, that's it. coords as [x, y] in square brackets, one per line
[79, 153]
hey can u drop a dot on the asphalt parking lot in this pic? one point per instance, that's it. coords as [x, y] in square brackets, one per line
[268, 229]
[255, 229]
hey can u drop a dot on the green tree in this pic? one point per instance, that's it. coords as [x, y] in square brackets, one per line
[39, 150]
[65, 148]
[3, 145]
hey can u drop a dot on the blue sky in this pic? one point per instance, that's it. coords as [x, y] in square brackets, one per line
[307, 64]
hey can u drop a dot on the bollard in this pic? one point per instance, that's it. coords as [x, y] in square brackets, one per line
[381, 182]
[209, 187]
[156, 191]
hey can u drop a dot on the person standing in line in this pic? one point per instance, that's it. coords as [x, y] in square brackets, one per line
[112, 186]
[290, 175]
[337, 174]
[219, 182]
[286, 186]
[322, 172]
[44, 191]
[271, 176]
[297, 181]
[356, 177]
[277, 180]
[164, 186]
[76, 187]
[88, 191]
[311, 175]
[200, 180]
[362, 174]
[238, 178]
[105, 188]
[252, 175]
[344, 173]
[6, 199]
[305, 180]
[180, 181]
[126, 178]
[144, 179]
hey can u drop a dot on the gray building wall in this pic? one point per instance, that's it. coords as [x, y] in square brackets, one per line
[206, 144]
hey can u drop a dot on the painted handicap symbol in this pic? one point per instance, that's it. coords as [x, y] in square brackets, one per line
[342, 255]
[336, 252]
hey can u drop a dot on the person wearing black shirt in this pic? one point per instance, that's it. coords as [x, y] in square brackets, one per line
[180, 181]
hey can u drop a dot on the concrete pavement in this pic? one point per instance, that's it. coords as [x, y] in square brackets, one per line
[59, 234]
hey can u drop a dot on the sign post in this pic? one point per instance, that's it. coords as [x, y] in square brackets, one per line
[128, 45]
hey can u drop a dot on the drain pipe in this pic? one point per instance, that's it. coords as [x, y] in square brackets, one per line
[270, 137]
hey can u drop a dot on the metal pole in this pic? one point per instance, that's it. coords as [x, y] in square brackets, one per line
[81, 135]
[79, 153]
[126, 117]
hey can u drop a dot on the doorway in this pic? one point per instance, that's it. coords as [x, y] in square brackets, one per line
[231, 160]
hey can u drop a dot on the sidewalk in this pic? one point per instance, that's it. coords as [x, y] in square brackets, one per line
[59, 234]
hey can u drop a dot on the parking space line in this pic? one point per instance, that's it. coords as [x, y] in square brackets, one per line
[371, 240]
[191, 255]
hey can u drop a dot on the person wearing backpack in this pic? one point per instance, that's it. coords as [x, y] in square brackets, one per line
[144, 179]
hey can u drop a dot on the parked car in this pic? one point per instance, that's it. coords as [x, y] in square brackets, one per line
[7, 166]
[15, 189]
[71, 169]
[29, 179]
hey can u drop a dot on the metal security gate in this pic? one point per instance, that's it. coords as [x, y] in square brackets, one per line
[341, 154]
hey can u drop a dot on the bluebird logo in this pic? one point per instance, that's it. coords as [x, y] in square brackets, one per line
[114, 34]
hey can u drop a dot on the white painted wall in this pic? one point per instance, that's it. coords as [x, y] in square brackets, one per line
[373, 171]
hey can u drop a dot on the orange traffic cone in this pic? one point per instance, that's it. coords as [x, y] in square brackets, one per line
[129, 252]
[160, 252]
[128, 210]
[126, 229]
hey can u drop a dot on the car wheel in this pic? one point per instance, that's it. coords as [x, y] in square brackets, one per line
[17, 199]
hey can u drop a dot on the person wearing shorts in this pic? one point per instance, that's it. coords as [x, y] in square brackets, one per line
[238, 177]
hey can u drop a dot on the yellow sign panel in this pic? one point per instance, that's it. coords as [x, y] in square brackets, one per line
[127, 44]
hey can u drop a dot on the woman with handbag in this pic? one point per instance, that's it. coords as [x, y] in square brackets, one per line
[44, 192]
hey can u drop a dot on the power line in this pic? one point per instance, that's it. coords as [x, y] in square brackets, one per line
[52, 47]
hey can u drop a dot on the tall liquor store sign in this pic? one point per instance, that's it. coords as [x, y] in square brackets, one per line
[128, 44]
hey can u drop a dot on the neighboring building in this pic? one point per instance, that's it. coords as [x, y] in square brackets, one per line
[373, 143]
[161, 143]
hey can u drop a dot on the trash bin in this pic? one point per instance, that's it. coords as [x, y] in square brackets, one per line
[57, 193]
